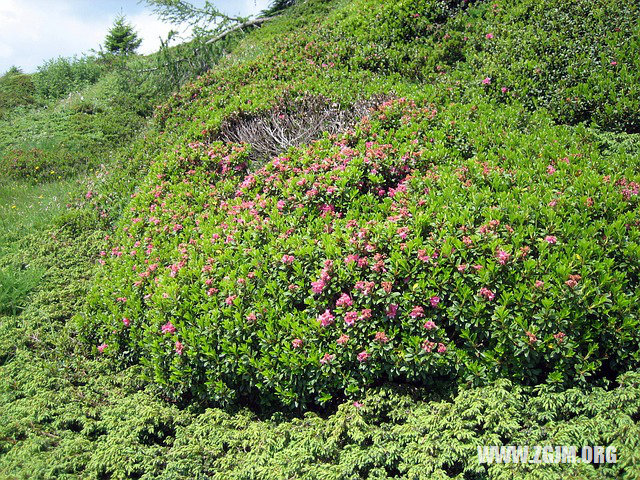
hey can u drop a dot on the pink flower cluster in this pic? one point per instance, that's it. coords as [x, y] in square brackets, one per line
[344, 301]
[486, 293]
[318, 286]
[327, 358]
[428, 346]
[502, 256]
[168, 328]
[326, 318]
[363, 356]
[287, 259]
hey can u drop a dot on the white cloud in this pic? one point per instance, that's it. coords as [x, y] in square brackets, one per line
[34, 34]
[149, 29]
[5, 50]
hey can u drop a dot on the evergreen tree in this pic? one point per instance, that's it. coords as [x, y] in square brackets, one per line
[122, 38]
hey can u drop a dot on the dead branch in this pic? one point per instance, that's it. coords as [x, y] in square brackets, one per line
[250, 23]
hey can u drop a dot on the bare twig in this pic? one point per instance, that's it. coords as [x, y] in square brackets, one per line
[249, 23]
[292, 123]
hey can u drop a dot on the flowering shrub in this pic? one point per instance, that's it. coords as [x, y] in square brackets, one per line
[383, 254]
[576, 59]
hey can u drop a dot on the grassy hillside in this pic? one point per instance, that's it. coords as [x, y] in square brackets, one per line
[373, 237]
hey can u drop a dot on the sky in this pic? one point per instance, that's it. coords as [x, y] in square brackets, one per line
[33, 31]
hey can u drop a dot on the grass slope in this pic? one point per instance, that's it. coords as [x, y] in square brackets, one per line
[69, 412]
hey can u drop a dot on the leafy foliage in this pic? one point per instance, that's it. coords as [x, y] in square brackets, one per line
[413, 248]
[426, 263]
[59, 76]
[16, 89]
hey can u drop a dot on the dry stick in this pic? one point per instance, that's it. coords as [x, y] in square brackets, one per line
[250, 23]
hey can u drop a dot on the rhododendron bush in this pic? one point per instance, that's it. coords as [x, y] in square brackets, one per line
[384, 254]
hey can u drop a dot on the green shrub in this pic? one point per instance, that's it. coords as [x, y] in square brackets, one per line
[576, 59]
[443, 244]
[16, 89]
[60, 76]
[507, 244]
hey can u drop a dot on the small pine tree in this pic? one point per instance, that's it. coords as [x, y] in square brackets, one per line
[122, 38]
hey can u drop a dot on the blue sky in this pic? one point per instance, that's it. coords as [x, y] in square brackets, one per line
[32, 31]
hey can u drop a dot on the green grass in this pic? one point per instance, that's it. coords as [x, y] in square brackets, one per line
[26, 210]
[25, 207]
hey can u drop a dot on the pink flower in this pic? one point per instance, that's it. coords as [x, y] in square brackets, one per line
[467, 240]
[486, 293]
[365, 287]
[486, 81]
[381, 337]
[430, 325]
[344, 301]
[168, 328]
[350, 318]
[550, 239]
[296, 343]
[435, 300]
[417, 312]
[402, 232]
[343, 339]
[489, 36]
[539, 284]
[502, 256]
[229, 300]
[126, 321]
[477, 267]
[251, 317]
[614, 63]
[317, 286]
[358, 404]
[428, 346]
[287, 259]
[392, 310]
[551, 170]
[573, 280]
[559, 336]
[423, 256]
[441, 348]
[504, 89]
[102, 347]
[363, 356]
[462, 267]
[327, 358]
[553, 203]
[178, 347]
[326, 318]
